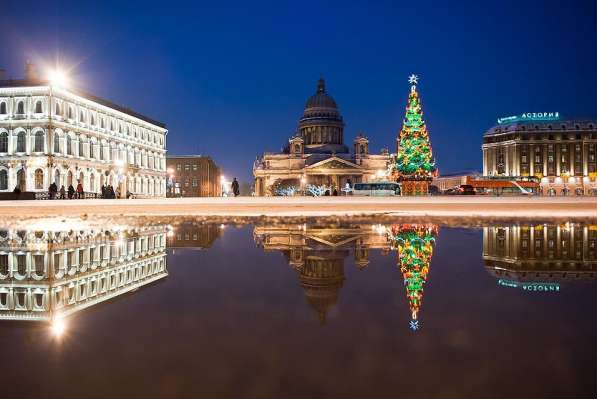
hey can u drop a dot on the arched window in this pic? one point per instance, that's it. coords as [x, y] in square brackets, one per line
[81, 117]
[38, 107]
[93, 120]
[81, 153]
[21, 108]
[102, 123]
[3, 142]
[57, 109]
[38, 145]
[56, 144]
[2, 108]
[70, 112]
[69, 145]
[39, 179]
[3, 179]
[21, 142]
[92, 182]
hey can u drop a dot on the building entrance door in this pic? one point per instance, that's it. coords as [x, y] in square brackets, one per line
[21, 181]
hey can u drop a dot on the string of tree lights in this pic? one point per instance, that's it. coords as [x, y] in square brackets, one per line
[414, 165]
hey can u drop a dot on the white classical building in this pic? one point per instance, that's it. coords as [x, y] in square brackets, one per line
[54, 134]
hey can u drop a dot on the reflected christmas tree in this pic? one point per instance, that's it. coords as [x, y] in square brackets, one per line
[414, 165]
[414, 243]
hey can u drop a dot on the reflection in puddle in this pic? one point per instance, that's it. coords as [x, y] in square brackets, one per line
[228, 306]
[50, 275]
[539, 257]
[318, 254]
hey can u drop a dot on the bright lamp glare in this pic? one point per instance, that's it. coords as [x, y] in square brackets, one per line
[58, 78]
[58, 326]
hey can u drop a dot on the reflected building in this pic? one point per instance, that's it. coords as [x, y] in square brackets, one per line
[539, 257]
[414, 244]
[318, 253]
[190, 235]
[45, 275]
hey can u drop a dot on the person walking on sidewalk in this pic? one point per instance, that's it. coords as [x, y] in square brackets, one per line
[80, 193]
[235, 187]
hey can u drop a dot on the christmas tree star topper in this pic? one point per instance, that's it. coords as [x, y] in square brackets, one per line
[413, 79]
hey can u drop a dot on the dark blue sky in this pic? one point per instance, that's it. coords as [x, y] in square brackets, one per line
[230, 79]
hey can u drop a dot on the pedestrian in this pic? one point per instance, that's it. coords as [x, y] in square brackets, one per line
[111, 192]
[103, 191]
[52, 190]
[80, 193]
[235, 187]
[17, 190]
[62, 192]
[117, 192]
[71, 191]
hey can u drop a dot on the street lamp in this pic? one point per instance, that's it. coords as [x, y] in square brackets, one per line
[170, 172]
[58, 78]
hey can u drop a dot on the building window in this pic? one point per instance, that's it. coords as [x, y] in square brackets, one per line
[2, 108]
[3, 180]
[21, 108]
[81, 152]
[69, 145]
[3, 142]
[38, 145]
[194, 166]
[38, 107]
[187, 167]
[39, 179]
[21, 142]
[57, 109]
[81, 117]
[194, 182]
[177, 166]
[70, 112]
[56, 144]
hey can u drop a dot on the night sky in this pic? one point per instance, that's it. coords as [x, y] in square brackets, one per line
[230, 80]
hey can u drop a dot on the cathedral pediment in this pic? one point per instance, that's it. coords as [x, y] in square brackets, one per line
[334, 163]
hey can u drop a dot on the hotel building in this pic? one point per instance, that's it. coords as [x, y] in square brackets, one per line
[560, 153]
[55, 134]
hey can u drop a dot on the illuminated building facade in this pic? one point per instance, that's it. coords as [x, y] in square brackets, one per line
[44, 275]
[193, 176]
[50, 133]
[317, 156]
[562, 154]
[540, 253]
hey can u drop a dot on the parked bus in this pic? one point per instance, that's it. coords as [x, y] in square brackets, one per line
[382, 189]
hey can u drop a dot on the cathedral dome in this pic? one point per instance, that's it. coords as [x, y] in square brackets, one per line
[321, 125]
[320, 99]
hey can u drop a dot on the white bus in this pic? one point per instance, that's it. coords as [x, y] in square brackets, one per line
[381, 189]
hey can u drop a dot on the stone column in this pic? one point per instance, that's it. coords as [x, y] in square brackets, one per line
[531, 159]
[544, 159]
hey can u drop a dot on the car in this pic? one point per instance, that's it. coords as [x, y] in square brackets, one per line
[466, 189]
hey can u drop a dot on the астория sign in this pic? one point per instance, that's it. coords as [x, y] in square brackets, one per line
[530, 116]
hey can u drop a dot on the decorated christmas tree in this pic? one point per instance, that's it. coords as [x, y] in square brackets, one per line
[415, 249]
[414, 164]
